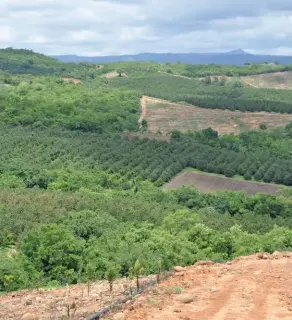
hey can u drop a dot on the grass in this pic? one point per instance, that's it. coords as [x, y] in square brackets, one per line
[276, 80]
[175, 290]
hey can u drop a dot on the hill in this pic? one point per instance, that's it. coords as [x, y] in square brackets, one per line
[236, 57]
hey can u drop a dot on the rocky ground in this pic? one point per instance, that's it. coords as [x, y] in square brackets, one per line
[248, 288]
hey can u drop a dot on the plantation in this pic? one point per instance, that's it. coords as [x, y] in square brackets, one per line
[81, 200]
[231, 95]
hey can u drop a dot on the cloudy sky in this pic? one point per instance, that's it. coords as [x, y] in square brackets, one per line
[105, 27]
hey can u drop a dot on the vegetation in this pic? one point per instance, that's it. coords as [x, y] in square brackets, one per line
[79, 201]
[44, 102]
[232, 95]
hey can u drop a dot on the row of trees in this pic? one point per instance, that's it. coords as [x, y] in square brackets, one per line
[62, 160]
[230, 95]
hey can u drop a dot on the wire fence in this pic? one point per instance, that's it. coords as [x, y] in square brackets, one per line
[130, 294]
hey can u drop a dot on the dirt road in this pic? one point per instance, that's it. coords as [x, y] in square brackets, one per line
[247, 289]
[143, 102]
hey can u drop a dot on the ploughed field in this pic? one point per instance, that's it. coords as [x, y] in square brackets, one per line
[205, 182]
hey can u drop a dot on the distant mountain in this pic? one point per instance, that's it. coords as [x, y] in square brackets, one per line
[238, 52]
[236, 57]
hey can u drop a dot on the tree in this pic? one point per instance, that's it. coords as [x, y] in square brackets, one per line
[53, 249]
[222, 81]
[175, 134]
[111, 275]
[207, 80]
[263, 126]
[144, 124]
[136, 271]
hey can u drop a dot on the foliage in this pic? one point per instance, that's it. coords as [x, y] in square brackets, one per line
[80, 201]
[216, 95]
[45, 102]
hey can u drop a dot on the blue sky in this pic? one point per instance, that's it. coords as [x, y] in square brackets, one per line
[106, 27]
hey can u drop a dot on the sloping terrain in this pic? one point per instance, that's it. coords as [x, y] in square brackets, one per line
[165, 116]
[53, 304]
[276, 80]
[249, 288]
[205, 182]
[256, 287]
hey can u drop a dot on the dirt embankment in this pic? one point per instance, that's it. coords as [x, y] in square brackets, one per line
[256, 287]
[249, 288]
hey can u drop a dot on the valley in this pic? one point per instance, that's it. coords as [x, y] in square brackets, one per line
[116, 173]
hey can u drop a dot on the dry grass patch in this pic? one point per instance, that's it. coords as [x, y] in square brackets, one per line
[276, 80]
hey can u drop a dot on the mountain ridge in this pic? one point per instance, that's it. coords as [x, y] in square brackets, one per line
[235, 57]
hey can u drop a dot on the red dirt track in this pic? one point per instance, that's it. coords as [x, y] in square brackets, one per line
[249, 288]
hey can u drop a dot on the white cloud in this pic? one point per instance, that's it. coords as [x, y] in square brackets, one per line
[126, 26]
[6, 35]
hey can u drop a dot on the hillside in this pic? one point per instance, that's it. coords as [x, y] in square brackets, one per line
[164, 116]
[82, 175]
[251, 287]
[235, 57]
[276, 80]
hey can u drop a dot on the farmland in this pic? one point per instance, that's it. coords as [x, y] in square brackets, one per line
[206, 183]
[164, 116]
[276, 80]
[82, 176]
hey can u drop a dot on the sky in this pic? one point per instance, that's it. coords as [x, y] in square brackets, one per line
[115, 27]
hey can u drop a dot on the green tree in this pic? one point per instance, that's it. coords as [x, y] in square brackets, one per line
[136, 271]
[111, 275]
[54, 250]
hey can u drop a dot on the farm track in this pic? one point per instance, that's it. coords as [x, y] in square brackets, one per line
[249, 288]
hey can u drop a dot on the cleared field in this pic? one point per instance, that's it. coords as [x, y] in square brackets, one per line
[276, 80]
[166, 116]
[208, 183]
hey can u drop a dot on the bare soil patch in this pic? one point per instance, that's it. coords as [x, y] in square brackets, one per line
[165, 116]
[114, 74]
[52, 304]
[206, 183]
[275, 80]
[72, 80]
[257, 287]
